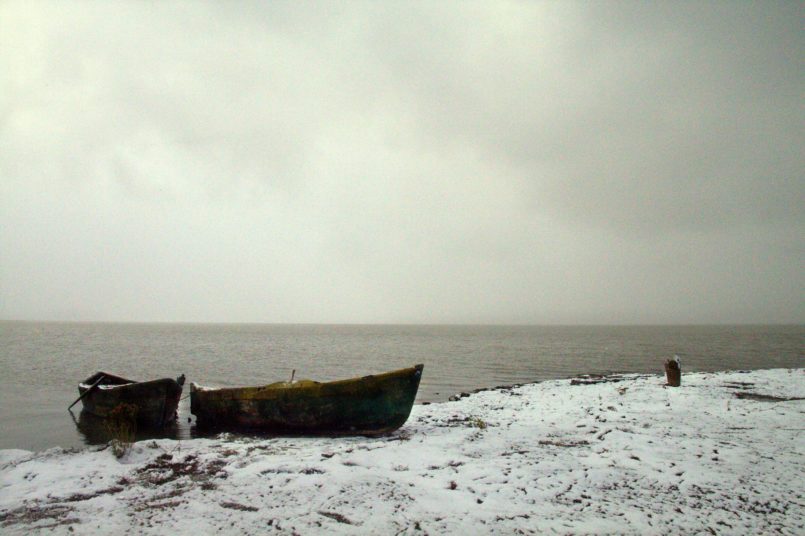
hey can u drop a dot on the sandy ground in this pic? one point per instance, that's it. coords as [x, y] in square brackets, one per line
[723, 454]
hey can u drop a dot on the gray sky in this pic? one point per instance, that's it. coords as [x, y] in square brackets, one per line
[487, 162]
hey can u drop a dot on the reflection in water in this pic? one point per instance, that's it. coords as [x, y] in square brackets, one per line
[96, 430]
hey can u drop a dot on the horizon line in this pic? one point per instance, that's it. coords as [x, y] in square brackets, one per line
[437, 324]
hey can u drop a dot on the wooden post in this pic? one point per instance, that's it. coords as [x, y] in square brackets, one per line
[673, 372]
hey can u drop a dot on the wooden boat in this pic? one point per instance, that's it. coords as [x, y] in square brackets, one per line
[370, 405]
[156, 401]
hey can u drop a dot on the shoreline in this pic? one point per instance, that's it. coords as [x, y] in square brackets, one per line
[605, 455]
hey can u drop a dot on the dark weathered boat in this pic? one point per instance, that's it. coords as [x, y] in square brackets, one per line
[370, 405]
[156, 401]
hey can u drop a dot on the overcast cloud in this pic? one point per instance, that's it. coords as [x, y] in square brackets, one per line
[487, 162]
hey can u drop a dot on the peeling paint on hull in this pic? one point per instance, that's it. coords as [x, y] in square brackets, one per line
[371, 405]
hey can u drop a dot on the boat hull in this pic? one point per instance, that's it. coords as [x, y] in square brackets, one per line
[156, 401]
[370, 405]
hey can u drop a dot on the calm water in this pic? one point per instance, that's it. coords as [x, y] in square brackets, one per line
[42, 363]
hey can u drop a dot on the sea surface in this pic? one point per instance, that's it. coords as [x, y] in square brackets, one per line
[42, 363]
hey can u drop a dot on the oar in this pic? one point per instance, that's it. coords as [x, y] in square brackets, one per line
[85, 393]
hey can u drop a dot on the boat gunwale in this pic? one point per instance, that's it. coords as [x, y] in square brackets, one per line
[231, 393]
[109, 387]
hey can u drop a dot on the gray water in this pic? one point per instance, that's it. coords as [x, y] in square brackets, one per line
[42, 363]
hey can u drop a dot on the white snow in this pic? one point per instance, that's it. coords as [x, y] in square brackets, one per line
[625, 457]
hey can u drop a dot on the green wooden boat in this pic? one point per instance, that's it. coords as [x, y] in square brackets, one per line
[155, 401]
[370, 405]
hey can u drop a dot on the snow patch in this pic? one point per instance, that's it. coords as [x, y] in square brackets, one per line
[629, 457]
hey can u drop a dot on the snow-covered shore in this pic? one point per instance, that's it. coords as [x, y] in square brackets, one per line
[723, 454]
